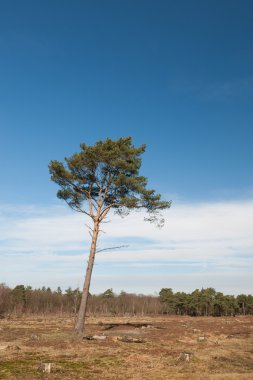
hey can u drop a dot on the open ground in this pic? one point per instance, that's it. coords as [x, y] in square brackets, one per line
[134, 348]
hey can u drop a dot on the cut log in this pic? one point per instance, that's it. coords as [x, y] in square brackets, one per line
[137, 325]
[128, 339]
[13, 348]
[95, 337]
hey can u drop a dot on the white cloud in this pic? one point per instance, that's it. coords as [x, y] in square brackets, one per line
[201, 243]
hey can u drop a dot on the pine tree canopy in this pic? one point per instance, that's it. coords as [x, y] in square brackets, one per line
[105, 176]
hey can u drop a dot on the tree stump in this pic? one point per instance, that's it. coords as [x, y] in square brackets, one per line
[45, 367]
[202, 339]
[34, 337]
[185, 356]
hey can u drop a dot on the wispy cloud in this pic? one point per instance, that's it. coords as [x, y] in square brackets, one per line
[203, 244]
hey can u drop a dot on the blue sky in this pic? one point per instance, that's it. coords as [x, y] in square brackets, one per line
[174, 75]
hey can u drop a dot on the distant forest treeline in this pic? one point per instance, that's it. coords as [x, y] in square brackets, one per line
[205, 302]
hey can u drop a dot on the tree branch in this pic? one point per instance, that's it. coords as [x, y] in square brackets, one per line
[110, 248]
[105, 211]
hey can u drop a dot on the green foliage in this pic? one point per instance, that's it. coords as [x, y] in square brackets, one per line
[205, 302]
[105, 176]
[24, 299]
[58, 290]
[19, 296]
[166, 294]
[4, 298]
[108, 294]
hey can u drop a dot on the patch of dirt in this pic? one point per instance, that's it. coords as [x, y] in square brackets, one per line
[225, 353]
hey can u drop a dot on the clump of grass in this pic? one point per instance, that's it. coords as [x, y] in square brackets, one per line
[236, 363]
[17, 367]
[71, 366]
[56, 335]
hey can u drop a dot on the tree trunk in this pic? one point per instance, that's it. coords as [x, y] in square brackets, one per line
[79, 327]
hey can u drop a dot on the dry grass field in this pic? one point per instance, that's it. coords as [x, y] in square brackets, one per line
[219, 348]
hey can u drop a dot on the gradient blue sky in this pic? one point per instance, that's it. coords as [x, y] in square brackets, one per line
[176, 75]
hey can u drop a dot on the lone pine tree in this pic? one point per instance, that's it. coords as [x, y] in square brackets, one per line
[100, 178]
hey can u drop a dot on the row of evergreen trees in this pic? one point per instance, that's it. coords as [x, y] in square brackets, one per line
[204, 302]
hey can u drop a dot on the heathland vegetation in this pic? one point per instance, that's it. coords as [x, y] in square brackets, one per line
[204, 302]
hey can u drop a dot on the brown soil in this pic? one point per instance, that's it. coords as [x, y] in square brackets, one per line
[226, 352]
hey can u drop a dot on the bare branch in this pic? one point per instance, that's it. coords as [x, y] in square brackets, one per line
[76, 208]
[105, 194]
[105, 211]
[100, 200]
[90, 207]
[110, 248]
[88, 227]
[94, 204]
